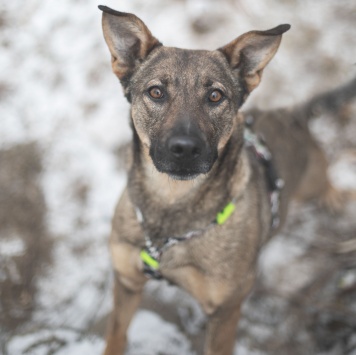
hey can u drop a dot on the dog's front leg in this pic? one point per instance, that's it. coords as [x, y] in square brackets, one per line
[220, 299]
[223, 318]
[125, 305]
[129, 282]
[221, 330]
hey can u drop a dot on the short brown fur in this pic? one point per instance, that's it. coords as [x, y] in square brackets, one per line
[218, 267]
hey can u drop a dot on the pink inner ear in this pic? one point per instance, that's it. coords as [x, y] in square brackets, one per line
[129, 40]
[251, 52]
[253, 80]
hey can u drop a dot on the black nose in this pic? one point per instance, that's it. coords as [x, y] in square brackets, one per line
[185, 147]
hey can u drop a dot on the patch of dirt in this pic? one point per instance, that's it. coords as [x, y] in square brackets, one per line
[25, 247]
[3, 21]
[5, 90]
[320, 317]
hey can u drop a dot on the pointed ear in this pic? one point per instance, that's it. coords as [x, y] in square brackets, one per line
[252, 51]
[129, 41]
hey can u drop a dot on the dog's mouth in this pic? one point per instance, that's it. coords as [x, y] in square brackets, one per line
[182, 169]
[183, 177]
[183, 157]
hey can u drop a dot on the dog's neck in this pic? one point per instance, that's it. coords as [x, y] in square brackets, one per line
[171, 207]
[228, 176]
[169, 190]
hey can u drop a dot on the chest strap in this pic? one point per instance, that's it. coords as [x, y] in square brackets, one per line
[151, 254]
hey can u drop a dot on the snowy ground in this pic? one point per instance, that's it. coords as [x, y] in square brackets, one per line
[62, 120]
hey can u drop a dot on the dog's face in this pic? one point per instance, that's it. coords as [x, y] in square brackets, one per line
[184, 102]
[183, 107]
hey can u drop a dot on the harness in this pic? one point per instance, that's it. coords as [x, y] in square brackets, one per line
[151, 254]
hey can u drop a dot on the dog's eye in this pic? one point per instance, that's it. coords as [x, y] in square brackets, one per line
[155, 92]
[215, 96]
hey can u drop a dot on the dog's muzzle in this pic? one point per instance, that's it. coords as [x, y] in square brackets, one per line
[183, 157]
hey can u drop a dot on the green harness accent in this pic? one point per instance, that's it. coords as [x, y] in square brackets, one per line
[149, 260]
[222, 216]
[151, 263]
[151, 254]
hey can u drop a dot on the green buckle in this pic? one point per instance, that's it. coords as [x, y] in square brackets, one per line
[149, 260]
[222, 216]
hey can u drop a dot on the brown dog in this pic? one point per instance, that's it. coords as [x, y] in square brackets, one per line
[189, 162]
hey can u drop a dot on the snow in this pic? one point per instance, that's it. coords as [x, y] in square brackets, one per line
[60, 92]
[12, 247]
[156, 342]
[53, 340]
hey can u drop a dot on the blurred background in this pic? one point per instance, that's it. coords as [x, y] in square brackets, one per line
[63, 121]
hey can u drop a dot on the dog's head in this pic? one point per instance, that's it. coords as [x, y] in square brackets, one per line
[184, 102]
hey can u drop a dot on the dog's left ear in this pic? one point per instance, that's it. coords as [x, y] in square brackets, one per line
[129, 41]
[251, 52]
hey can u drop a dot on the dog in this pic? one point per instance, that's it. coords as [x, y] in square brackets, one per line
[208, 186]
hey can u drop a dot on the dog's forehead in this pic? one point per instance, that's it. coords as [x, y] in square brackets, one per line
[197, 67]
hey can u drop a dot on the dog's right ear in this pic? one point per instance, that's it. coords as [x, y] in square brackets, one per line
[129, 41]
